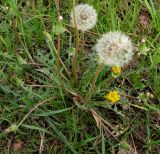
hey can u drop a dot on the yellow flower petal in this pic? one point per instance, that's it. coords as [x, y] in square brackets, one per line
[116, 70]
[112, 96]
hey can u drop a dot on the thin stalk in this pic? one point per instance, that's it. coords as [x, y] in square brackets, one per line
[83, 43]
[75, 58]
[59, 43]
[59, 37]
[82, 51]
[58, 55]
[34, 108]
[70, 46]
[58, 62]
[89, 94]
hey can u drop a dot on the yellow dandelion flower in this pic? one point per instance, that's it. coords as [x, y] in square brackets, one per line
[112, 96]
[116, 70]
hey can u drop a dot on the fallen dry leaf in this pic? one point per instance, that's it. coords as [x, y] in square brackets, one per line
[144, 18]
[17, 146]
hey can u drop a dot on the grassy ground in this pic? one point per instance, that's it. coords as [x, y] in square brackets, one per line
[41, 111]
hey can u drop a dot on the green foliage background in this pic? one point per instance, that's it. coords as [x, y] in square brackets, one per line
[28, 77]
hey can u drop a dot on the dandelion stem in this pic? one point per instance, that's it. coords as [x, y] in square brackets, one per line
[75, 58]
[57, 61]
[89, 94]
[59, 43]
[82, 50]
[83, 43]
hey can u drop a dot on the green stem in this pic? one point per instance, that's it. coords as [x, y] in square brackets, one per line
[75, 58]
[57, 61]
[83, 43]
[58, 56]
[82, 51]
[89, 94]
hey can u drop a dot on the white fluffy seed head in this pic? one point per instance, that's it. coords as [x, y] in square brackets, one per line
[114, 49]
[86, 17]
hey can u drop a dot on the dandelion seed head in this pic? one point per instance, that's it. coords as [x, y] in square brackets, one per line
[114, 49]
[86, 17]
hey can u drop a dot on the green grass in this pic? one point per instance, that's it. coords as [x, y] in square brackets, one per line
[44, 103]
